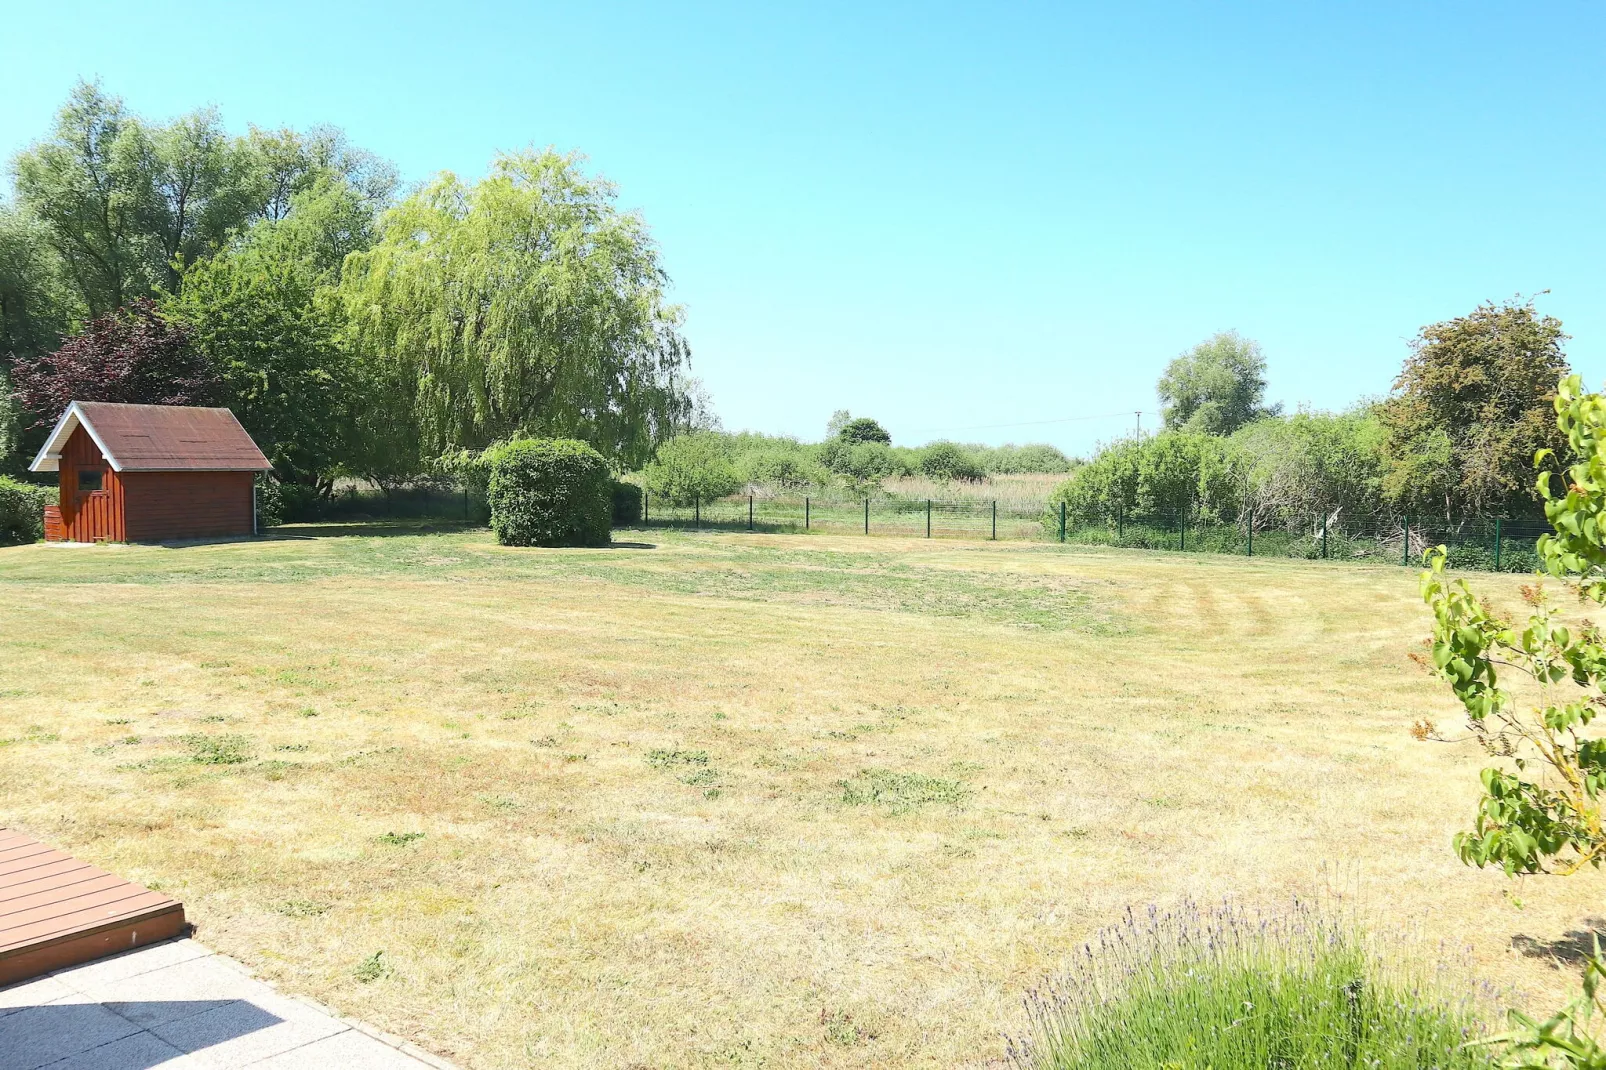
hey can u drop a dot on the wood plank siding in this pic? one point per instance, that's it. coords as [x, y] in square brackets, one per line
[146, 506]
[186, 505]
[56, 911]
[86, 515]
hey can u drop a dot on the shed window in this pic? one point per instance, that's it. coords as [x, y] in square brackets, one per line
[88, 480]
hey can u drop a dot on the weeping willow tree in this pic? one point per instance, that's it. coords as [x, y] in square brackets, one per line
[524, 304]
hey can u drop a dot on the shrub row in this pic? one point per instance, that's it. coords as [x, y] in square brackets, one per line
[22, 511]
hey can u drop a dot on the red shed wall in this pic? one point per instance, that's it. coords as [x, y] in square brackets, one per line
[186, 505]
[87, 516]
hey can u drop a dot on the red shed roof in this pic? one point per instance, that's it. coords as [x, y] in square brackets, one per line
[156, 438]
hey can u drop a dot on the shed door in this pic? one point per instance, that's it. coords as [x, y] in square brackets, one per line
[91, 505]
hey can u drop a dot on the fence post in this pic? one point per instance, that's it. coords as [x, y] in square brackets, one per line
[867, 516]
[1249, 526]
[1062, 521]
[696, 511]
[646, 497]
[995, 519]
[928, 518]
[1324, 538]
[805, 512]
[749, 512]
[1182, 529]
[465, 505]
[1120, 522]
[1405, 548]
[1497, 544]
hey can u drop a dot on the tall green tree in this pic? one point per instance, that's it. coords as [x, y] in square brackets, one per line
[289, 162]
[37, 305]
[524, 304]
[1470, 408]
[864, 429]
[1216, 387]
[129, 204]
[11, 429]
[265, 313]
[206, 185]
[91, 184]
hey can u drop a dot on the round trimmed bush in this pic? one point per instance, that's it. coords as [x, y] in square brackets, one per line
[550, 492]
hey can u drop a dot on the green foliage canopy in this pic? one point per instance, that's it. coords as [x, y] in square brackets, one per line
[1541, 808]
[1273, 472]
[948, 461]
[692, 468]
[128, 204]
[261, 312]
[1469, 411]
[864, 429]
[1216, 387]
[22, 511]
[524, 304]
[37, 304]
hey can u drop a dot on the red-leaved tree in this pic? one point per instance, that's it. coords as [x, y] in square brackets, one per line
[132, 356]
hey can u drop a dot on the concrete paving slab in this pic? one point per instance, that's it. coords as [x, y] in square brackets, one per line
[32, 994]
[169, 993]
[39, 1036]
[241, 1033]
[179, 1006]
[142, 1051]
[350, 1050]
[131, 963]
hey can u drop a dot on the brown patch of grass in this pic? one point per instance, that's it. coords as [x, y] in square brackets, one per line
[731, 800]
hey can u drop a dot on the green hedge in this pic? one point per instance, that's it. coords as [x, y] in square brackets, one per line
[626, 504]
[550, 492]
[22, 511]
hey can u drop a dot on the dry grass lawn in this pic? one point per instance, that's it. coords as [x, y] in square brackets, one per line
[741, 800]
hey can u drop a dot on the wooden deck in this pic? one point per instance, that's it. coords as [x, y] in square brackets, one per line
[56, 911]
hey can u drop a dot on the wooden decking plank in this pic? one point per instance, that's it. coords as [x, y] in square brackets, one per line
[105, 900]
[87, 882]
[62, 927]
[58, 911]
[89, 944]
[9, 835]
[44, 876]
[24, 856]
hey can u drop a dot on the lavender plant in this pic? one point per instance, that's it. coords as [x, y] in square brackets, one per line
[1227, 988]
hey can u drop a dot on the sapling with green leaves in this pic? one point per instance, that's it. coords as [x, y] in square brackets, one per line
[1542, 814]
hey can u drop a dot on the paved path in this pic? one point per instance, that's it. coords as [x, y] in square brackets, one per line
[179, 1006]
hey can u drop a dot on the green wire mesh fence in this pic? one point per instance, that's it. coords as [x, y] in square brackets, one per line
[1499, 544]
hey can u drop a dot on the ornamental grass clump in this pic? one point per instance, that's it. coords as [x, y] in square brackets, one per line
[1231, 989]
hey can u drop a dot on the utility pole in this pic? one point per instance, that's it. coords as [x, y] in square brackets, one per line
[1139, 416]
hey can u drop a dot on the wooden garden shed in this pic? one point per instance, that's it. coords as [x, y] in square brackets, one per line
[147, 473]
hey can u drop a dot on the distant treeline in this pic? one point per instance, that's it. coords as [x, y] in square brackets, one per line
[857, 456]
[1453, 442]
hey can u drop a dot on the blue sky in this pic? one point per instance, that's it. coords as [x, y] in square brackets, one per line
[956, 217]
